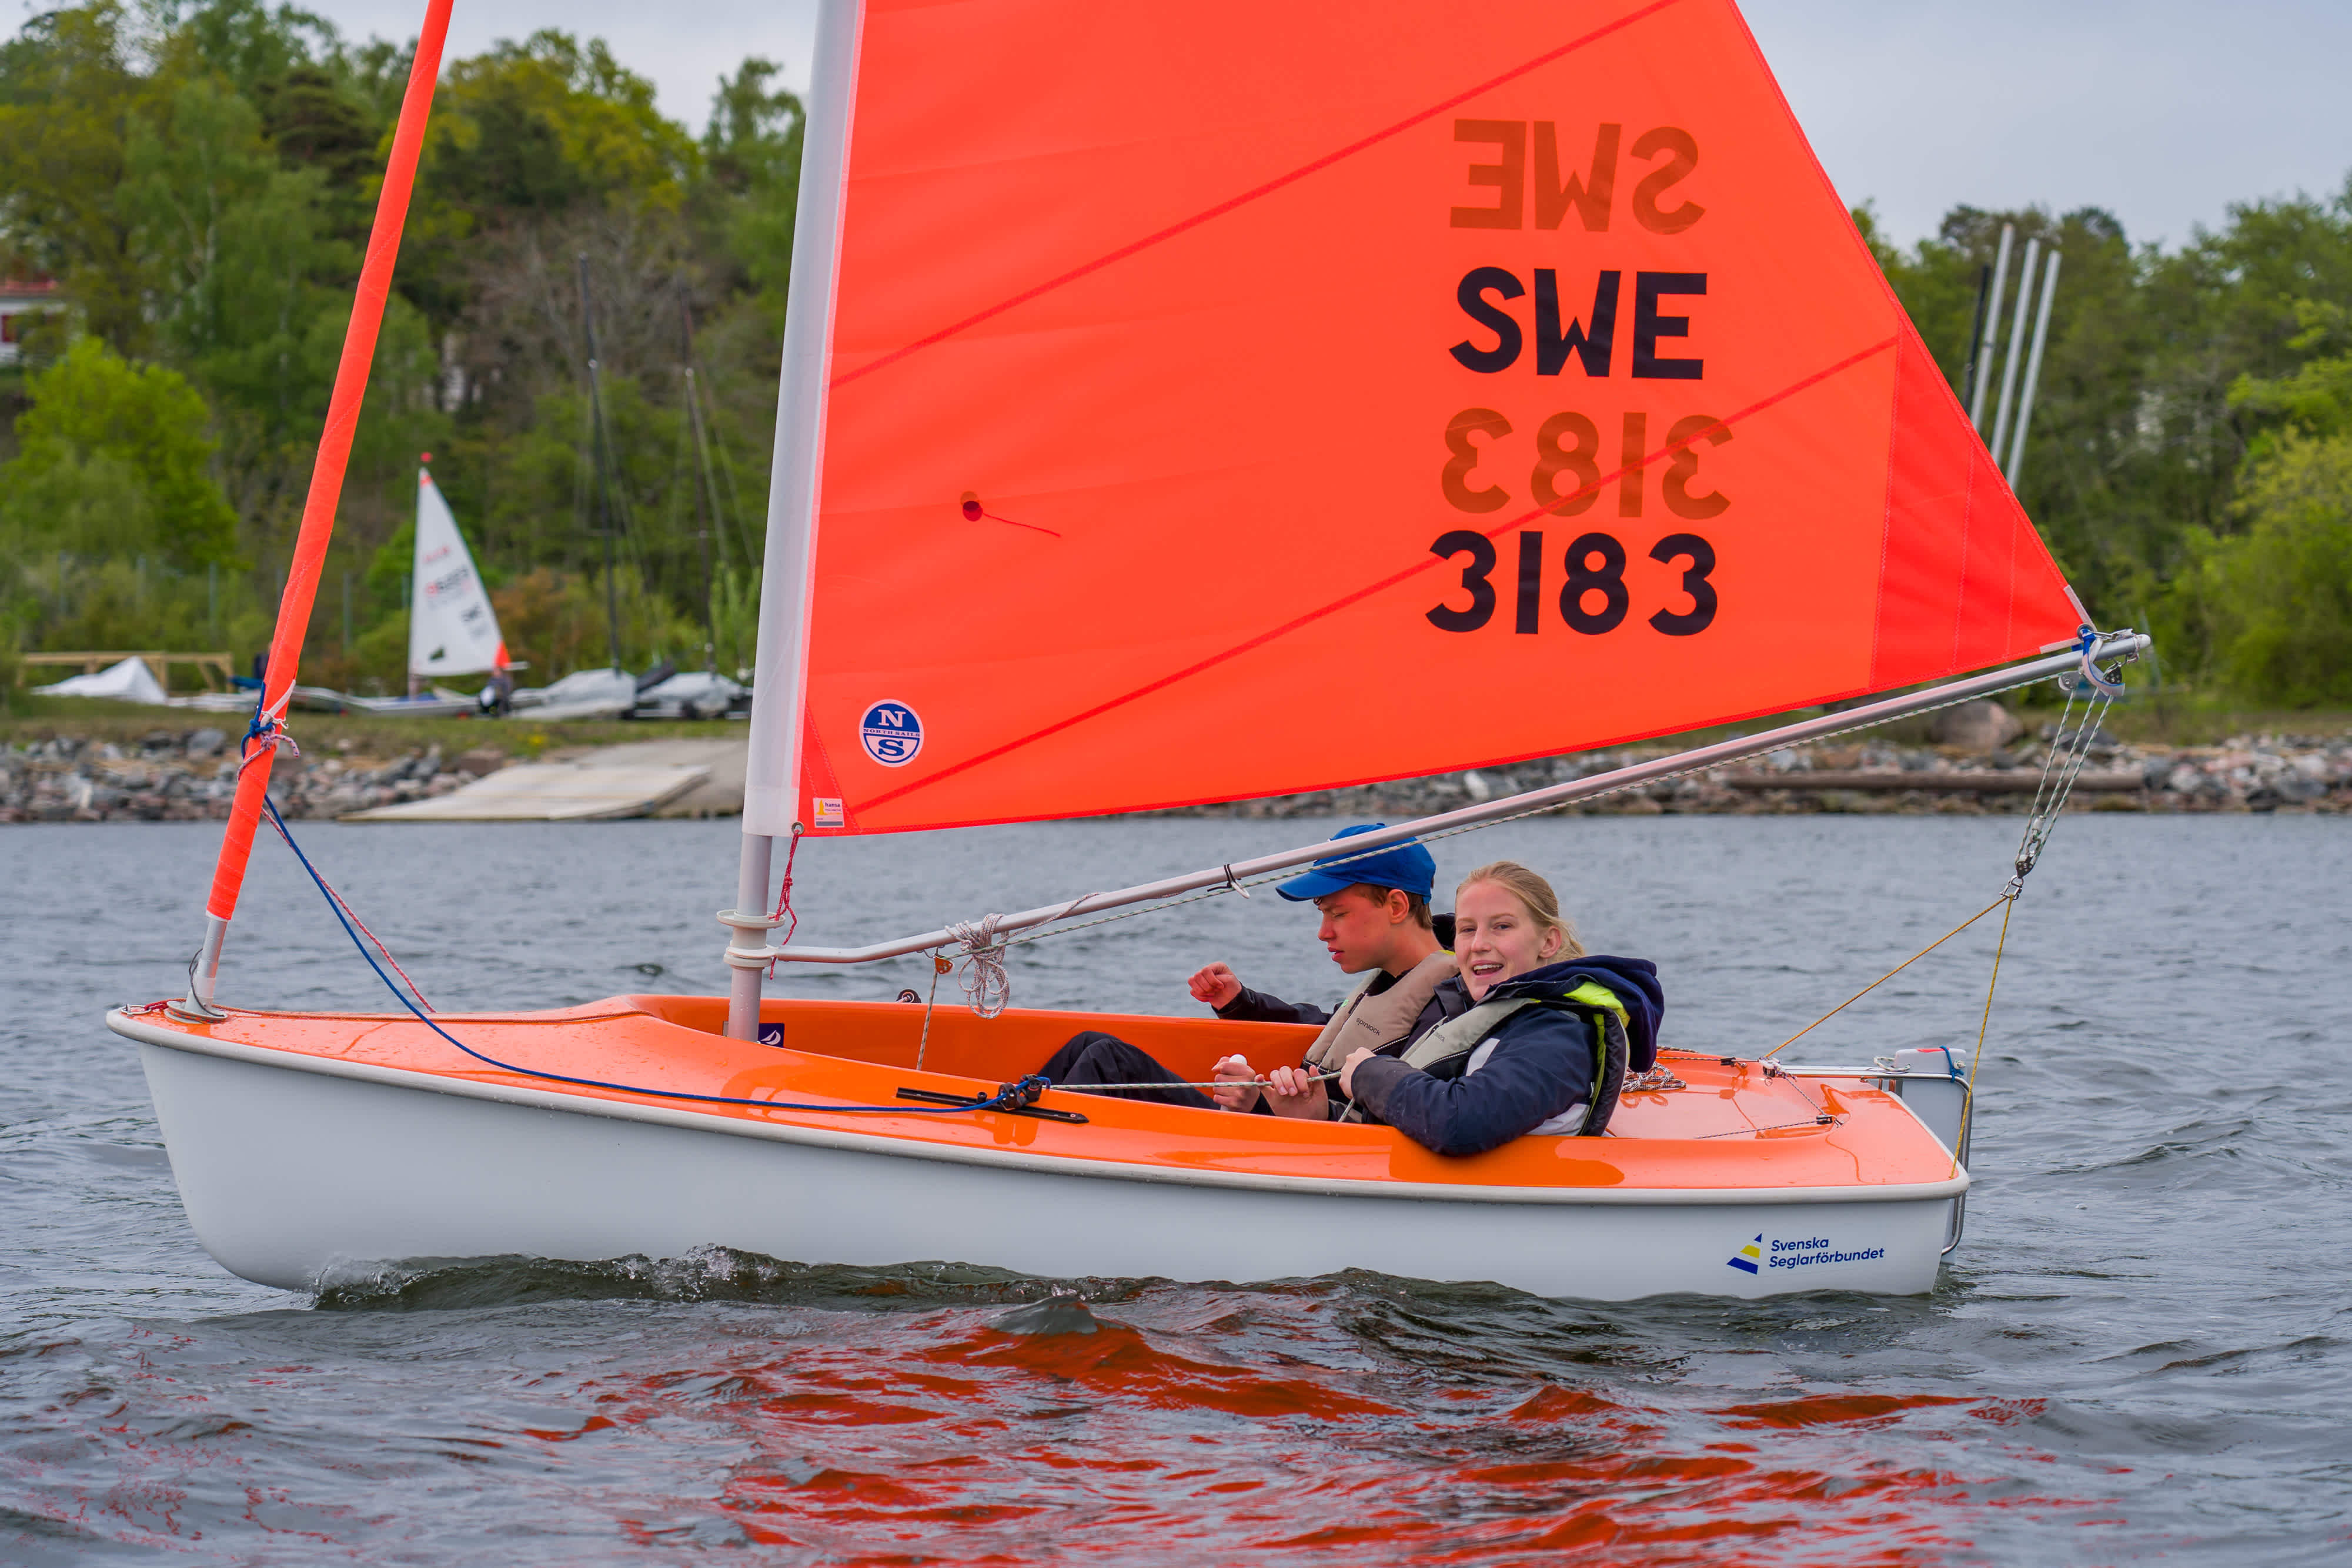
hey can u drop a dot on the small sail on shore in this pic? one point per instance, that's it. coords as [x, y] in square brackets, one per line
[1164, 421]
[452, 628]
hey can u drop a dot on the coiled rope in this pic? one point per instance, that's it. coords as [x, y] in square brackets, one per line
[986, 985]
[266, 732]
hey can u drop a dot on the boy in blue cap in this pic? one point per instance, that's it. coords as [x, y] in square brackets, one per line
[1376, 922]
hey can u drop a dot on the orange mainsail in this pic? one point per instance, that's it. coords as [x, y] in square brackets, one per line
[1229, 400]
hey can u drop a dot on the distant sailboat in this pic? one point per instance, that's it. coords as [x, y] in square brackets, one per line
[452, 629]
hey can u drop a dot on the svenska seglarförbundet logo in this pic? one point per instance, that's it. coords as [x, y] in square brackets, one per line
[891, 734]
[1800, 1252]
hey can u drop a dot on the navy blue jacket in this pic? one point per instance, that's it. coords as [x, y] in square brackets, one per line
[1542, 1062]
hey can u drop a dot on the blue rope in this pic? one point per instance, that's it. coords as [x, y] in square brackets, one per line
[1008, 1096]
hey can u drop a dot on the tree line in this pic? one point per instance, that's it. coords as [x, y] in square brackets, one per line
[2190, 458]
[199, 179]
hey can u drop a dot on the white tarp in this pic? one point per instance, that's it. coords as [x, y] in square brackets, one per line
[451, 628]
[130, 681]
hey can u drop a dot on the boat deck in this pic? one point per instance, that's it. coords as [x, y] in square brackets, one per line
[1730, 1126]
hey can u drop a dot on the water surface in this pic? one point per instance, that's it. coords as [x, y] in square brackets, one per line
[2139, 1354]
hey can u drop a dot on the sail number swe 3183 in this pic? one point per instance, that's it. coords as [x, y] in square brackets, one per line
[1567, 480]
[1593, 598]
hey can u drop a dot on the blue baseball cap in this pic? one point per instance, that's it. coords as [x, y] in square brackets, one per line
[1406, 865]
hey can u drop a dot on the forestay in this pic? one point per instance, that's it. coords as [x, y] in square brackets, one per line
[1230, 400]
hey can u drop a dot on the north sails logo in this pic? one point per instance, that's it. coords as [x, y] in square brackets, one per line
[1748, 1257]
[891, 734]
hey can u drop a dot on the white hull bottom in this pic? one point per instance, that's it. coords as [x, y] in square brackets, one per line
[287, 1173]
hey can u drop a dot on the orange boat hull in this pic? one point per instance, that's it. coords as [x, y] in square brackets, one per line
[306, 1144]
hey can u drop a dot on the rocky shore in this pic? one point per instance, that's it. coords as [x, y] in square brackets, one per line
[190, 775]
[1980, 760]
[2247, 773]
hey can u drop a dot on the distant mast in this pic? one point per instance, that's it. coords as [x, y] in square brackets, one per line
[705, 503]
[599, 442]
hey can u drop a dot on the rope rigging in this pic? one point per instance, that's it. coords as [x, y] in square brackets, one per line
[2070, 748]
[990, 986]
[987, 985]
[1010, 1096]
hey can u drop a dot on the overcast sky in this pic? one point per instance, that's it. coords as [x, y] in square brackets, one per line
[2164, 111]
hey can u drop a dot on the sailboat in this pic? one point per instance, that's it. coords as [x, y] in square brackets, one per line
[453, 629]
[1189, 405]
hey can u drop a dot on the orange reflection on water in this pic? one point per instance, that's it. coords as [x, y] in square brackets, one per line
[951, 1436]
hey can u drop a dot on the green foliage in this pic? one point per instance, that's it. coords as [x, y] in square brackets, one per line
[556, 622]
[67, 91]
[2272, 607]
[200, 178]
[752, 151]
[127, 603]
[113, 459]
[2316, 396]
[2170, 381]
[735, 619]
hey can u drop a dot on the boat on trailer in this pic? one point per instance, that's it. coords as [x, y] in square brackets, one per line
[1074, 512]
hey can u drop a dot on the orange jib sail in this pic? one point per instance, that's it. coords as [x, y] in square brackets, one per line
[1231, 400]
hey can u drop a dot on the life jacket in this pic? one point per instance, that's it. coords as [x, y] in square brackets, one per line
[1588, 999]
[1364, 1019]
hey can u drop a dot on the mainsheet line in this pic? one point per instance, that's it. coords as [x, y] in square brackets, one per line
[1424, 564]
[1184, 224]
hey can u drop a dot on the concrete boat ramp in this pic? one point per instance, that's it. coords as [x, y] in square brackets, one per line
[648, 779]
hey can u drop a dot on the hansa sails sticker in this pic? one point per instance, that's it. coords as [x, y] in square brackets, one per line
[891, 734]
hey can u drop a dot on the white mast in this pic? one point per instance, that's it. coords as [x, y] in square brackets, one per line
[2010, 362]
[1990, 342]
[772, 779]
[2032, 370]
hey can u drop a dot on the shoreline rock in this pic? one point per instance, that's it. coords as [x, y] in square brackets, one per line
[191, 776]
[2291, 773]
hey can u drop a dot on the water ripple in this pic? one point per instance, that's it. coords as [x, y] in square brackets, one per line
[2140, 1351]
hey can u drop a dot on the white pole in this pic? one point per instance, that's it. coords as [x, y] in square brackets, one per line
[771, 776]
[2116, 645]
[2032, 369]
[1991, 330]
[2016, 347]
